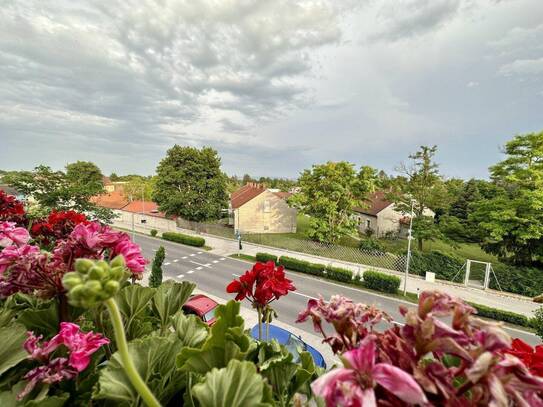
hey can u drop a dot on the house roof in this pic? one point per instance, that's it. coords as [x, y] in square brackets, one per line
[283, 194]
[147, 207]
[376, 203]
[247, 192]
[111, 200]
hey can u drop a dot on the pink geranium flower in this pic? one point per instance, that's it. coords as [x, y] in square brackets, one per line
[354, 384]
[10, 234]
[81, 344]
[131, 252]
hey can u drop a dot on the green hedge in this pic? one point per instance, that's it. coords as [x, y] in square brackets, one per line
[339, 274]
[265, 257]
[519, 280]
[445, 266]
[381, 282]
[153, 232]
[301, 265]
[184, 239]
[501, 315]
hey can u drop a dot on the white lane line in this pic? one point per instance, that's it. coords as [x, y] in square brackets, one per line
[175, 260]
[198, 268]
[193, 254]
[200, 264]
[184, 257]
[180, 276]
[199, 253]
[215, 261]
[190, 271]
[167, 263]
[222, 258]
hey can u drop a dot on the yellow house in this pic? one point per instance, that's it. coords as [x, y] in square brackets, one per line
[260, 210]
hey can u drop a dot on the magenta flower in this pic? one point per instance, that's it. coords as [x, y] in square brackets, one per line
[80, 346]
[10, 234]
[354, 384]
[131, 252]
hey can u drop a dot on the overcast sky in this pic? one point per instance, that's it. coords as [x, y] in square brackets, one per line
[274, 86]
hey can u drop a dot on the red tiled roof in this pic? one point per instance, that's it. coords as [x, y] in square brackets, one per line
[376, 203]
[147, 207]
[245, 194]
[112, 200]
[283, 194]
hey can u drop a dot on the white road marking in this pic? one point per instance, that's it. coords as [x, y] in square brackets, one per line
[222, 258]
[200, 264]
[198, 268]
[192, 255]
[175, 260]
[199, 253]
[184, 257]
[167, 263]
[180, 276]
[215, 261]
[190, 271]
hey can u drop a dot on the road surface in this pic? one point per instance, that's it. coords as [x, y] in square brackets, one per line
[212, 273]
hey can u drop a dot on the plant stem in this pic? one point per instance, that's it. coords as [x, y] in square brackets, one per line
[63, 311]
[126, 360]
[259, 323]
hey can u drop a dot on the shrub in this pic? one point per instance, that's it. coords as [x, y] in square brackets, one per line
[265, 257]
[301, 265]
[372, 245]
[381, 282]
[501, 315]
[184, 239]
[339, 274]
[155, 279]
[537, 322]
[444, 265]
[153, 232]
[519, 280]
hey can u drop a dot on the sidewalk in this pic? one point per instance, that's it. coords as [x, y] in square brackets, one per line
[491, 298]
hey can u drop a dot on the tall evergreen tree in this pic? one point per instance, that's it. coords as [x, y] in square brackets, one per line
[155, 279]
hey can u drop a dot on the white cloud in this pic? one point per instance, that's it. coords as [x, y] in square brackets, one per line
[472, 84]
[523, 67]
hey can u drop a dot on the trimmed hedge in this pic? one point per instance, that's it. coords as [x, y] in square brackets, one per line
[184, 239]
[445, 266]
[526, 281]
[501, 315]
[153, 232]
[339, 274]
[265, 257]
[381, 282]
[301, 265]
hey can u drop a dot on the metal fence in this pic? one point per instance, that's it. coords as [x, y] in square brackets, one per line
[372, 258]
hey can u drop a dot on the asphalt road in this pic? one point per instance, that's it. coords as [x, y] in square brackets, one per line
[212, 273]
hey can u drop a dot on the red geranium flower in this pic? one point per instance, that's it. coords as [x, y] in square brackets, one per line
[531, 357]
[11, 209]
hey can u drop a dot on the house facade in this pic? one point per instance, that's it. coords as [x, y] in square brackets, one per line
[381, 217]
[256, 209]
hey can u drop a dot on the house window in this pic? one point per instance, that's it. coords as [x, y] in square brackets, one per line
[267, 207]
[368, 224]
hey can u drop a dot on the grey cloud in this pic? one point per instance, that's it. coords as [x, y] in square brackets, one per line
[523, 67]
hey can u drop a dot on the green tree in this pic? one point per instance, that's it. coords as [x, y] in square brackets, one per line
[86, 176]
[328, 193]
[423, 186]
[138, 187]
[190, 184]
[511, 222]
[155, 279]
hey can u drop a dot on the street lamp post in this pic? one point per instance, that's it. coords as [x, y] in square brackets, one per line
[409, 238]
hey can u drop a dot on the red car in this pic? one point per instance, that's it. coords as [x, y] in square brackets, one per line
[203, 306]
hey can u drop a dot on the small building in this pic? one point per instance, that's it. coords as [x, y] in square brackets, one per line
[256, 209]
[381, 217]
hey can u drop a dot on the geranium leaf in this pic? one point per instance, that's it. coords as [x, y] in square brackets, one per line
[154, 358]
[40, 321]
[190, 329]
[133, 302]
[237, 385]
[169, 298]
[12, 351]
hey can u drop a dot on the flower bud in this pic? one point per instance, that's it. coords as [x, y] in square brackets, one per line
[118, 261]
[112, 287]
[83, 265]
[70, 280]
[97, 273]
[93, 287]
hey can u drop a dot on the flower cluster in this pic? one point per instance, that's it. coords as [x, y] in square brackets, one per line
[11, 209]
[79, 345]
[58, 225]
[94, 281]
[531, 357]
[466, 361]
[262, 284]
[12, 235]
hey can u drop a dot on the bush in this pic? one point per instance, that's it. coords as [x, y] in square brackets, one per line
[155, 279]
[301, 265]
[339, 274]
[153, 232]
[444, 265]
[537, 322]
[381, 282]
[265, 257]
[372, 245]
[184, 239]
[501, 315]
[526, 281]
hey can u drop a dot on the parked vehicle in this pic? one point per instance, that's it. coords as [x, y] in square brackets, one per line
[293, 343]
[203, 306]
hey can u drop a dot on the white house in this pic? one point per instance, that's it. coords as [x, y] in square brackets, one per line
[381, 216]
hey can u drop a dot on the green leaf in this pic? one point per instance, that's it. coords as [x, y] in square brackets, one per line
[154, 358]
[169, 298]
[12, 351]
[40, 321]
[6, 315]
[237, 385]
[133, 302]
[226, 341]
[49, 401]
[190, 329]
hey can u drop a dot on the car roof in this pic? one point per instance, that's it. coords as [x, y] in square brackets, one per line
[201, 303]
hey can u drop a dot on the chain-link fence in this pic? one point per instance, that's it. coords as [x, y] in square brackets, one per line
[373, 258]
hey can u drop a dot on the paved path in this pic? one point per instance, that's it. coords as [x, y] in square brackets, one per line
[212, 273]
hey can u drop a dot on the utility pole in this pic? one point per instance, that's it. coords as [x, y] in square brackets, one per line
[409, 238]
